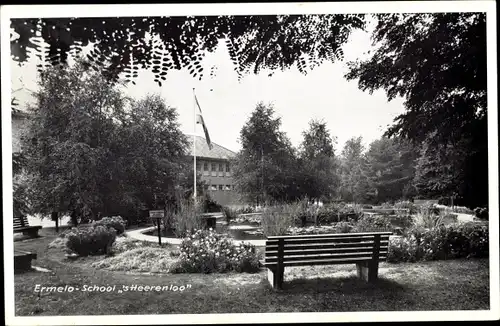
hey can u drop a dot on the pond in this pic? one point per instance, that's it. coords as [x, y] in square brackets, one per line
[237, 231]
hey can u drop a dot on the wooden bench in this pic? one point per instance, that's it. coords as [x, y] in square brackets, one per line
[363, 249]
[21, 225]
[22, 260]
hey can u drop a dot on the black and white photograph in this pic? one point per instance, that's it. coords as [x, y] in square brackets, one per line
[250, 162]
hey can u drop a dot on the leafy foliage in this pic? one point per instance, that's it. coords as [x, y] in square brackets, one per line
[90, 240]
[266, 166]
[437, 63]
[115, 222]
[354, 181]
[390, 166]
[319, 164]
[89, 149]
[441, 242]
[205, 251]
[127, 44]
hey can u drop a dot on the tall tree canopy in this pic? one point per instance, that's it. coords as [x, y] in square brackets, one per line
[437, 63]
[354, 182]
[124, 44]
[319, 164]
[90, 149]
[390, 164]
[265, 168]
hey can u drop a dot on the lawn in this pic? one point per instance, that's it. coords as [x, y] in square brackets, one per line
[439, 285]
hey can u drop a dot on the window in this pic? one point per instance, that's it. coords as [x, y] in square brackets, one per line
[221, 187]
[213, 187]
[221, 167]
[214, 167]
[227, 168]
[228, 187]
[205, 166]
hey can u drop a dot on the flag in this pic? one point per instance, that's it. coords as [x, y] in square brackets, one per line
[199, 119]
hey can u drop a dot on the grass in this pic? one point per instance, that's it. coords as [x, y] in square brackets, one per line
[441, 285]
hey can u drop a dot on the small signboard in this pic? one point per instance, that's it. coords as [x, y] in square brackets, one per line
[157, 214]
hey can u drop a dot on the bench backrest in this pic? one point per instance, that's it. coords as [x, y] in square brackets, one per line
[20, 222]
[341, 248]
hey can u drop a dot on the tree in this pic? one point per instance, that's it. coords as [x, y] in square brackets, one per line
[265, 168]
[318, 162]
[437, 63]
[127, 44]
[89, 149]
[68, 141]
[151, 153]
[355, 184]
[390, 167]
[439, 171]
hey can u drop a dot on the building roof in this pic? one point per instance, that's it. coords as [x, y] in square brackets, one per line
[202, 150]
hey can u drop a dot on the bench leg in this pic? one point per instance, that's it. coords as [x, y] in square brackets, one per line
[368, 271]
[275, 277]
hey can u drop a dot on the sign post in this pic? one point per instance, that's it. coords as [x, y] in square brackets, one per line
[157, 215]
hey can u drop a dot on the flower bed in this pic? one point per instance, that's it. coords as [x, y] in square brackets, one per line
[443, 242]
[206, 251]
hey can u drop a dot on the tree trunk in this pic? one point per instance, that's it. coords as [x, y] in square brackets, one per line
[74, 218]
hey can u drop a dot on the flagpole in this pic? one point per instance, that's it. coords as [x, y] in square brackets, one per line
[194, 146]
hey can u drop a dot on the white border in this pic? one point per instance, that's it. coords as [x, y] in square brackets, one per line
[21, 11]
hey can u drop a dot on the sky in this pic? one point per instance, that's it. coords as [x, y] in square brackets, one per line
[227, 103]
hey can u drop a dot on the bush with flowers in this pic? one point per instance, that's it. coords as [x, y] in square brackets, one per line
[115, 222]
[92, 240]
[205, 251]
[458, 240]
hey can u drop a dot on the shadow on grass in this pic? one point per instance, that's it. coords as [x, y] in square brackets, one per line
[345, 285]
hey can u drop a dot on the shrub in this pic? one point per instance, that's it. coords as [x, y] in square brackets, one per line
[481, 213]
[341, 227]
[373, 223]
[206, 251]
[442, 242]
[245, 210]
[276, 220]
[91, 240]
[403, 249]
[428, 216]
[115, 222]
[209, 205]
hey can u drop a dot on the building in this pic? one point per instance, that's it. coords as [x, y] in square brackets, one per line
[19, 121]
[215, 169]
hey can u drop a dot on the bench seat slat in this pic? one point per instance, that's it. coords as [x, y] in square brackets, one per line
[322, 262]
[324, 251]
